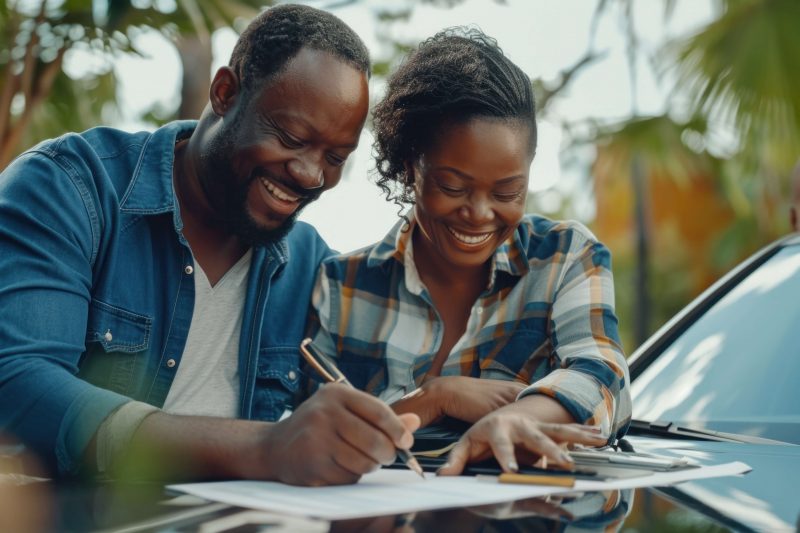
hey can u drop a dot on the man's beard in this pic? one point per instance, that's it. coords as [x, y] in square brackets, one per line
[228, 196]
[236, 218]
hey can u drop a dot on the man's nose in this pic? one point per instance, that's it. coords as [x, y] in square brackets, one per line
[306, 171]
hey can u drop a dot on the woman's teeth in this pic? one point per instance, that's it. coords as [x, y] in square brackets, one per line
[469, 239]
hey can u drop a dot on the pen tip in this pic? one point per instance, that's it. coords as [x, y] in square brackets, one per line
[413, 464]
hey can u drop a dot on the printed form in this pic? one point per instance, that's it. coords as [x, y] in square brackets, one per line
[397, 491]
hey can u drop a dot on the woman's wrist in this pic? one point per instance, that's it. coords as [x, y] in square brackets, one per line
[545, 409]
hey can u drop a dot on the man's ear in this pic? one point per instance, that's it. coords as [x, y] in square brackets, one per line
[225, 91]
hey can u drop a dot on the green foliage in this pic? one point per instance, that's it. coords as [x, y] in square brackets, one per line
[81, 104]
[38, 100]
[740, 74]
[745, 66]
[661, 142]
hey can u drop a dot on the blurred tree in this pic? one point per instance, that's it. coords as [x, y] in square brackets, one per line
[743, 71]
[37, 98]
[676, 216]
[673, 201]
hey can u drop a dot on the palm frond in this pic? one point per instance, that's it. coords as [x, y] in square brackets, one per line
[745, 67]
[660, 143]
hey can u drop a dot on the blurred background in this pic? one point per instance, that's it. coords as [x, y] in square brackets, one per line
[669, 127]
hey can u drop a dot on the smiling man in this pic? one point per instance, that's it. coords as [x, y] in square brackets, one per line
[154, 286]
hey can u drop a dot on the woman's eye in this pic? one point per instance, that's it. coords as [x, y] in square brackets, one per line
[508, 196]
[453, 191]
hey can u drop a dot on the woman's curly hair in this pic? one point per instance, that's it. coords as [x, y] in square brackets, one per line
[455, 76]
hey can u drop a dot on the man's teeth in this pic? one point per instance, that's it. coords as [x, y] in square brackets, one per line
[278, 193]
[469, 239]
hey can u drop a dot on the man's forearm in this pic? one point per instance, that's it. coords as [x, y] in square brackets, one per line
[334, 437]
[172, 447]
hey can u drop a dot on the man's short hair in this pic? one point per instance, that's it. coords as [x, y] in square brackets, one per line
[277, 34]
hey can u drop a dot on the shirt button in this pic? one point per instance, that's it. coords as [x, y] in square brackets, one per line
[108, 336]
[479, 310]
[292, 375]
[170, 363]
[188, 269]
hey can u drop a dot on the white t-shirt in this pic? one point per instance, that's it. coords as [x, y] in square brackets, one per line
[207, 380]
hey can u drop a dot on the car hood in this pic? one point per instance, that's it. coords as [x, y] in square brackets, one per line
[764, 499]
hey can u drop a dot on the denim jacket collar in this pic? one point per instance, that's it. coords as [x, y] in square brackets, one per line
[151, 191]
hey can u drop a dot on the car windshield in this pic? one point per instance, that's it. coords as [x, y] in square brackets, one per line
[736, 368]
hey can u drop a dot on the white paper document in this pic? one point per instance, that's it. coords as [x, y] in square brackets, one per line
[389, 492]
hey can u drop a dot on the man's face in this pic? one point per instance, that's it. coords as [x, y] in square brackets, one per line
[282, 145]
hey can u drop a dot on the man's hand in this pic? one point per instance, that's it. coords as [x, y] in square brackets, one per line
[333, 438]
[464, 398]
[514, 431]
[336, 436]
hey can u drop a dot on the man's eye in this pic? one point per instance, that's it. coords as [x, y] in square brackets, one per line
[289, 142]
[336, 160]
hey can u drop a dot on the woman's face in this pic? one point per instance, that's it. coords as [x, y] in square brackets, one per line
[470, 190]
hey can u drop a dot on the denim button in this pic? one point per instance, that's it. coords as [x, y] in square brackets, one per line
[188, 269]
[171, 363]
[292, 375]
[108, 336]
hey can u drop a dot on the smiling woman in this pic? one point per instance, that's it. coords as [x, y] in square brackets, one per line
[468, 204]
[468, 308]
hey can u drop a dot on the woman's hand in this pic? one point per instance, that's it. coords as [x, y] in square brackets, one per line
[514, 432]
[460, 397]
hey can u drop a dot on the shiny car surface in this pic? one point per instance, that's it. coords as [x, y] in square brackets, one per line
[718, 382]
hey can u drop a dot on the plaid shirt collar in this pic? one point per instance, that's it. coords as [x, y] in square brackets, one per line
[510, 257]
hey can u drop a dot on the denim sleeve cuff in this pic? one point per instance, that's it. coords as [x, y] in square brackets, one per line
[117, 430]
[80, 424]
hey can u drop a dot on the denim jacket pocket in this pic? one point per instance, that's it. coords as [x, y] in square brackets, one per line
[116, 329]
[278, 378]
[116, 339]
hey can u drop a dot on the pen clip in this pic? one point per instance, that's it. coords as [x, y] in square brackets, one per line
[321, 363]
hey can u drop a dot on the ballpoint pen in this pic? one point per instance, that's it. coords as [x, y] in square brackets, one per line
[328, 370]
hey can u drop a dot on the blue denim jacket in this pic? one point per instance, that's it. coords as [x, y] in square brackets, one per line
[96, 291]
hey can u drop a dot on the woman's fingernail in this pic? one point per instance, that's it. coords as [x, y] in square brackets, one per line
[513, 466]
[565, 458]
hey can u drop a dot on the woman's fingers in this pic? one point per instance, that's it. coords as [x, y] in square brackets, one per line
[510, 435]
[502, 441]
[467, 449]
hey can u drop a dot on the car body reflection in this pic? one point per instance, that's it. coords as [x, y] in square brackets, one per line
[728, 364]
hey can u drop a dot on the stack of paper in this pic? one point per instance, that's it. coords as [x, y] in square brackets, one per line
[394, 491]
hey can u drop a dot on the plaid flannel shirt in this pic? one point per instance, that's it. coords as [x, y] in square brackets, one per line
[546, 319]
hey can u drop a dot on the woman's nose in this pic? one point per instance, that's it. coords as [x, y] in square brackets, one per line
[478, 211]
